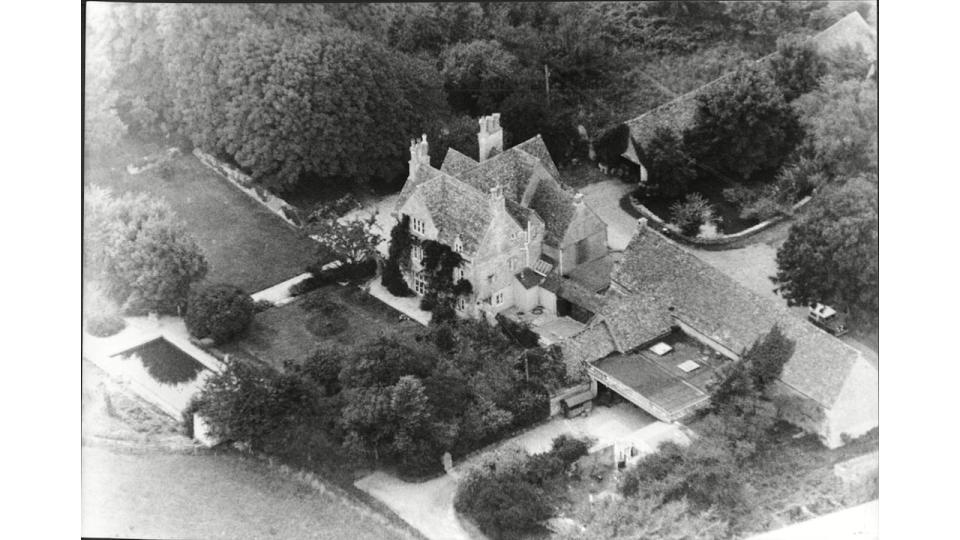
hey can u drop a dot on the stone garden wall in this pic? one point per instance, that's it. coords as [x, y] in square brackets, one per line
[245, 184]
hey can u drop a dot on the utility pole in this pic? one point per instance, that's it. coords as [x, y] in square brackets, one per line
[546, 81]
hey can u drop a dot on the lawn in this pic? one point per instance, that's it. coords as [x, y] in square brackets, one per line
[156, 495]
[340, 316]
[245, 244]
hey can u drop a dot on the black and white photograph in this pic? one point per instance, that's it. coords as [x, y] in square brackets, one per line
[481, 270]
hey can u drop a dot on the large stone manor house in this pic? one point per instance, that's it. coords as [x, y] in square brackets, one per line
[509, 215]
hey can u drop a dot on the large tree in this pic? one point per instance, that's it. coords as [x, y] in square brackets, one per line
[331, 104]
[743, 125]
[797, 67]
[141, 256]
[669, 167]
[841, 120]
[479, 75]
[832, 254]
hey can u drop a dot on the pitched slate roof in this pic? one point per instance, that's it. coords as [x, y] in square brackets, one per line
[511, 170]
[592, 343]
[665, 281]
[678, 114]
[456, 162]
[555, 206]
[538, 149]
[849, 31]
[423, 174]
[521, 214]
[456, 209]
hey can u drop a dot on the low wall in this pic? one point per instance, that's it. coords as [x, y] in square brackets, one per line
[245, 184]
[722, 241]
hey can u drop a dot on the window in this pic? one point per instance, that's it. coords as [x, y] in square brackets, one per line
[498, 299]
[420, 284]
[458, 246]
[490, 279]
[461, 304]
[417, 252]
[417, 225]
[513, 263]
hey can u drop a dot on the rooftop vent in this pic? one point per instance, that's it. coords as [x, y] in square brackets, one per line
[661, 349]
[688, 366]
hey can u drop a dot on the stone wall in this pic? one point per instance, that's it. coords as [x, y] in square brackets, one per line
[245, 184]
[725, 240]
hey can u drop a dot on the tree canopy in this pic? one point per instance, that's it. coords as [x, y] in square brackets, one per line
[841, 119]
[743, 125]
[832, 254]
[142, 257]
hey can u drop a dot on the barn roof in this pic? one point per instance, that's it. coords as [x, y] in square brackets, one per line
[678, 114]
[663, 281]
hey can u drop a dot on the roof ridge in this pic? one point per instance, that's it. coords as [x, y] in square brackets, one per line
[850, 16]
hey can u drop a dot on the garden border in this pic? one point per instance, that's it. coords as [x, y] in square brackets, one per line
[721, 242]
[244, 183]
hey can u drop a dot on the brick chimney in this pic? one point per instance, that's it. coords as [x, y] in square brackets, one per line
[490, 136]
[497, 201]
[419, 154]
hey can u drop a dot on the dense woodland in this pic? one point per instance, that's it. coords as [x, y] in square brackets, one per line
[330, 93]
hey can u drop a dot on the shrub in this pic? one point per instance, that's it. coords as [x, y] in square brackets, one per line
[247, 402]
[393, 280]
[262, 305]
[428, 302]
[349, 272]
[443, 312]
[529, 403]
[503, 504]
[105, 325]
[517, 331]
[691, 214]
[569, 449]
[670, 169]
[219, 312]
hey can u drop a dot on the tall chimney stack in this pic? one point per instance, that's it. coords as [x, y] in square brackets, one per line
[419, 154]
[490, 137]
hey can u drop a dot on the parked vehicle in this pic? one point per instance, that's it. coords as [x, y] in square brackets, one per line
[829, 319]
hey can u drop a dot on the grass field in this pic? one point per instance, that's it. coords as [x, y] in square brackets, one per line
[282, 333]
[151, 495]
[245, 244]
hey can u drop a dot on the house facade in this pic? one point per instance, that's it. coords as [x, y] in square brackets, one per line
[518, 228]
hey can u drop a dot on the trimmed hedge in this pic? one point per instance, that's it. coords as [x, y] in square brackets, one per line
[351, 272]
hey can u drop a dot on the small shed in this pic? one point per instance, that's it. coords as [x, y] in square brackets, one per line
[577, 404]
